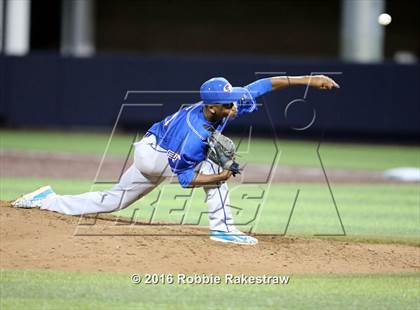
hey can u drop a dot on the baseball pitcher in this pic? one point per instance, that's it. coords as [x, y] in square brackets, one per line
[188, 145]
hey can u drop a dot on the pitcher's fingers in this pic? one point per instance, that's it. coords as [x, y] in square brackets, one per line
[335, 84]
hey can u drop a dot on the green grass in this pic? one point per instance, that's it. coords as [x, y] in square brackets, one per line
[345, 156]
[388, 213]
[367, 211]
[65, 290]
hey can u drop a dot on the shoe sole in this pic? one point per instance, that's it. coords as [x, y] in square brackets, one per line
[230, 241]
[31, 194]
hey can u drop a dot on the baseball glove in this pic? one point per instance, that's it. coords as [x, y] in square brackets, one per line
[222, 151]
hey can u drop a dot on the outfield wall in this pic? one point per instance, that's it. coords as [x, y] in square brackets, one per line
[49, 90]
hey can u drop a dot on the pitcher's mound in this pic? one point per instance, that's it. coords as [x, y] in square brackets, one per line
[34, 239]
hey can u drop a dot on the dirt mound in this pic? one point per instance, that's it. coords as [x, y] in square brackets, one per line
[34, 239]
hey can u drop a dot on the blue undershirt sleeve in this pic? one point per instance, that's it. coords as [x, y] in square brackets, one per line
[260, 87]
[186, 177]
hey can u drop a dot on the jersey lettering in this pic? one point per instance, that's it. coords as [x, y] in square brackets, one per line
[172, 155]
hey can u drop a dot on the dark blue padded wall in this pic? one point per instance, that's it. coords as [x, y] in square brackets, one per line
[49, 90]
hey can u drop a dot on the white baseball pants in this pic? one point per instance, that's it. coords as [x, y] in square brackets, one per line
[149, 169]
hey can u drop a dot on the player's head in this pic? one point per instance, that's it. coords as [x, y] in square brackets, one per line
[221, 98]
[220, 111]
[218, 90]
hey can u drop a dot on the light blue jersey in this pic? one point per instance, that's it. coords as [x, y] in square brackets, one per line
[184, 134]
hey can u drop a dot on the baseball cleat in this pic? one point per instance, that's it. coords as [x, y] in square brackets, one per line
[236, 237]
[34, 199]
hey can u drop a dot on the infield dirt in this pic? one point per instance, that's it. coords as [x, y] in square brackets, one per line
[68, 166]
[35, 239]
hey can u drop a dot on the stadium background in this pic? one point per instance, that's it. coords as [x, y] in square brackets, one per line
[176, 46]
[59, 99]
